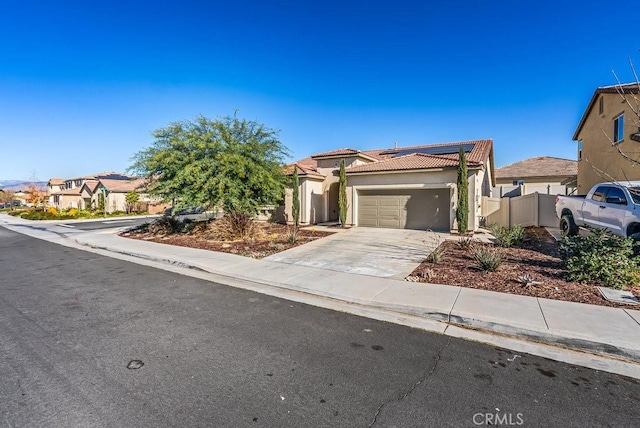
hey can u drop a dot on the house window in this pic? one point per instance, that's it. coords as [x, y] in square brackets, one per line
[618, 129]
[580, 150]
[518, 182]
[601, 105]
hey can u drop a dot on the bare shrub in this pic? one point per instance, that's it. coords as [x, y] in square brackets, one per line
[165, 226]
[235, 225]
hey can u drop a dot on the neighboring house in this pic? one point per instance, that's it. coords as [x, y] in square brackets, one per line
[115, 192]
[608, 131]
[22, 197]
[69, 193]
[55, 185]
[542, 174]
[400, 187]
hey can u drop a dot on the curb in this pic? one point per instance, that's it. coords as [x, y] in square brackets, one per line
[624, 355]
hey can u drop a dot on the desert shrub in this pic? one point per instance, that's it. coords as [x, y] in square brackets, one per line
[38, 215]
[600, 258]
[508, 236]
[465, 242]
[235, 225]
[73, 212]
[52, 211]
[488, 258]
[188, 226]
[436, 255]
[166, 226]
[434, 240]
[292, 235]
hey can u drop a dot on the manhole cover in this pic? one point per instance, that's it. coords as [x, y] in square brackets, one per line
[135, 364]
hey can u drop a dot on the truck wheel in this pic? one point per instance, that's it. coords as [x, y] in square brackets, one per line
[568, 227]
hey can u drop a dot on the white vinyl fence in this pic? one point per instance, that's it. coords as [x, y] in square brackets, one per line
[505, 191]
[534, 209]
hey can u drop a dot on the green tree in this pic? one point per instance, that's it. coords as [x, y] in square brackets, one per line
[101, 202]
[227, 162]
[296, 197]
[462, 212]
[342, 195]
[131, 198]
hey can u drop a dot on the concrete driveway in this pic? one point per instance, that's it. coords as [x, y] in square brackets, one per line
[389, 253]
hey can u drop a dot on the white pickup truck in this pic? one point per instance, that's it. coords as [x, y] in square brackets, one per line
[611, 206]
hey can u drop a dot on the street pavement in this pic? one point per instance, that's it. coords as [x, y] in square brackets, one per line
[592, 336]
[93, 341]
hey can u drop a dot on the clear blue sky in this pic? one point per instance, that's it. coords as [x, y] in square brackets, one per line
[83, 83]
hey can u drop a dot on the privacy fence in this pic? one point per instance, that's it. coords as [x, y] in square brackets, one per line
[534, 209]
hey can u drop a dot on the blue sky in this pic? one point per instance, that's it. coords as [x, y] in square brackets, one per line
[84, 83]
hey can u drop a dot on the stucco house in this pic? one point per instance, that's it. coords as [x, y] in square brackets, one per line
[608, 135]
[399, 187]
[69, 195]
[543, 174]
[115, 192]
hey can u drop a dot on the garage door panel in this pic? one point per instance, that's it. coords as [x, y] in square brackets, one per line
[414, 209]
[394, 224]
[390, 212]
[392, 202]
[368, 202]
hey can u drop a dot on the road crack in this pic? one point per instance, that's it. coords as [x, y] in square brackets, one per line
[413, 387]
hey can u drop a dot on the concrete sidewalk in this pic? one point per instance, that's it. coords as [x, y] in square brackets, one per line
[608, 337]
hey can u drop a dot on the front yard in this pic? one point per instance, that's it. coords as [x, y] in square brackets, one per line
[533, 267]
[265, 239]
[538, 259]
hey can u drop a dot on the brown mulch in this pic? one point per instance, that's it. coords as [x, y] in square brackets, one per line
[272, 239]
[538, 258]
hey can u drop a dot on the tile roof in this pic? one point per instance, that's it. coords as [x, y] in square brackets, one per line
[91, 184]
[540, 166]
[56, 181]
[408, 162]
[69, 192]
[122, 186]
[339, 152]
[114, 175]
[306, 166]
[625, 88]
[481, 152]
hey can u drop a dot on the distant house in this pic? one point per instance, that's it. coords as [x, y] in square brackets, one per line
[399, 187]
[608, 131]
[542, 174]
[68, 193]
[115, 191]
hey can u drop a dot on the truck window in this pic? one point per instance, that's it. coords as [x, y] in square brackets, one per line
[616, 196]
[635, 194]
[600, 194]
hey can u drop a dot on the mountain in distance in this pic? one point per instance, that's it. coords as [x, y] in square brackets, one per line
[17, 185]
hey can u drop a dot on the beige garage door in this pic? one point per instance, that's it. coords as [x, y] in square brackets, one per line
[404, 209]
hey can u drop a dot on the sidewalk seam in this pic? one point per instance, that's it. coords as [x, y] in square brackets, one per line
[453, 306]
[637, 322]
[542, 312]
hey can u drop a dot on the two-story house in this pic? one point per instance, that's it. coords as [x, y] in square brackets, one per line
[608, 137]
[69, 194]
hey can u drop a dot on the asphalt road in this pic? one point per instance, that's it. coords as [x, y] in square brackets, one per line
[105, 223]
[88, 341]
